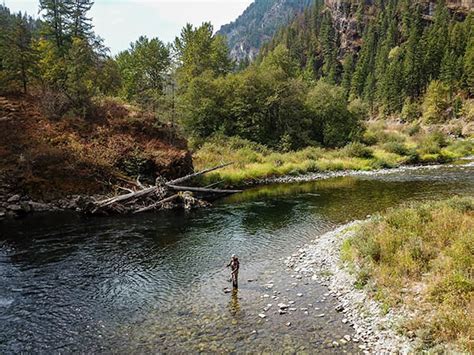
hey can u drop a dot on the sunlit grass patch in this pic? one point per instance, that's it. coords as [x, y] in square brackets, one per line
[253, 161]
[422, 256]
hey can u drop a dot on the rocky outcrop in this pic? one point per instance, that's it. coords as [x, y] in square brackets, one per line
[262, 19]
[258, 23]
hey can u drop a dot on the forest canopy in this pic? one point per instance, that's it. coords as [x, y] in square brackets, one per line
[303, 90]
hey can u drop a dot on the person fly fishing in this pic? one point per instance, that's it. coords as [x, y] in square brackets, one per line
[234, 267]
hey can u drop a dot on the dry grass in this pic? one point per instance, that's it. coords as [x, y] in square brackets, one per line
[50, 158]
[422, 256]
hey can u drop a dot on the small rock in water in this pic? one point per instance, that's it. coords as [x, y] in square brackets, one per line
[320, 315]
[339, 308]
[347, 337]
[303, 309]
[282, 306]
[288, 324]
[291, 302]
[226, 290]
[266, 296]
[14, 198]
[292, 309]
[281, 311]
[299, 294]
[344, 320]
[261, 315]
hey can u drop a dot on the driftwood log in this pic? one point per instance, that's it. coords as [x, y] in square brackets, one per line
[164, 194]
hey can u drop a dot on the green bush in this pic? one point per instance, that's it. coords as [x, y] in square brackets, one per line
[396, 147]
[358, 150]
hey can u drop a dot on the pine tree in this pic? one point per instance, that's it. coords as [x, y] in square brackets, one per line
[19, 57]
[55, 15]
[347, 72]
[79, 25]
[435, 40]
[413, 63]
[365, 63]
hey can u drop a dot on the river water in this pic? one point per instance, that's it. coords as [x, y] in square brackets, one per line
[154, 283]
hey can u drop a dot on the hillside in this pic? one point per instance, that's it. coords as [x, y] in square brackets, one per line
[48, 159]
[397, 57]
[258, 24]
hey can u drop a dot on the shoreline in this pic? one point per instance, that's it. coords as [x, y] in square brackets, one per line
[307, 177]
[320, 261]
[16, 205]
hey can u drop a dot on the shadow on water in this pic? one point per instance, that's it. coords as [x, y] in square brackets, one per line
[154, 282]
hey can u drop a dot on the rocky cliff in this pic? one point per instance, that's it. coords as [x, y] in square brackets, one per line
[257, 24]
[262, 19]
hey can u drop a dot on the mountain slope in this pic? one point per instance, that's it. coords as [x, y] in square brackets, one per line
[258, 23]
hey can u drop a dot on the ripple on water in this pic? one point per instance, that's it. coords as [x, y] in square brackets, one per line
[155, 282]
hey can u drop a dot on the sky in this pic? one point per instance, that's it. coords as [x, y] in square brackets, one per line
[120, 22]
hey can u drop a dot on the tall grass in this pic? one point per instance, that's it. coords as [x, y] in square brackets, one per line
[422, 256]
[389, 148]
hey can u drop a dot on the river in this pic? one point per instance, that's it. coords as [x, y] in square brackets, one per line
[154, 283]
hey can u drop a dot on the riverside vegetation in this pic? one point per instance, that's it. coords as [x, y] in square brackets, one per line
[76, 120]
[421, 256]
[303, 105]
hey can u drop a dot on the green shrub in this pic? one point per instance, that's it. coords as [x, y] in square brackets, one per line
[358, 150]
[396, 147]
[413, 129]
[370, 137]
[411, 110]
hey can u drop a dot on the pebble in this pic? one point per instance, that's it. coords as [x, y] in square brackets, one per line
[299, 294]
[320, 262]
[288, 324]
[282, 306]
[261, 315]
[14, 198]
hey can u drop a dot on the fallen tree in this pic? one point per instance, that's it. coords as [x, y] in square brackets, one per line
[164, 194]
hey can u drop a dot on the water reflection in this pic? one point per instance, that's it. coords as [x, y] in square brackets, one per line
[83, 285]
[234, 303]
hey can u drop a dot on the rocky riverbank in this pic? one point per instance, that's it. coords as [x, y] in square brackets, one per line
[320, 261]
[17, 205]
[287, 179]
